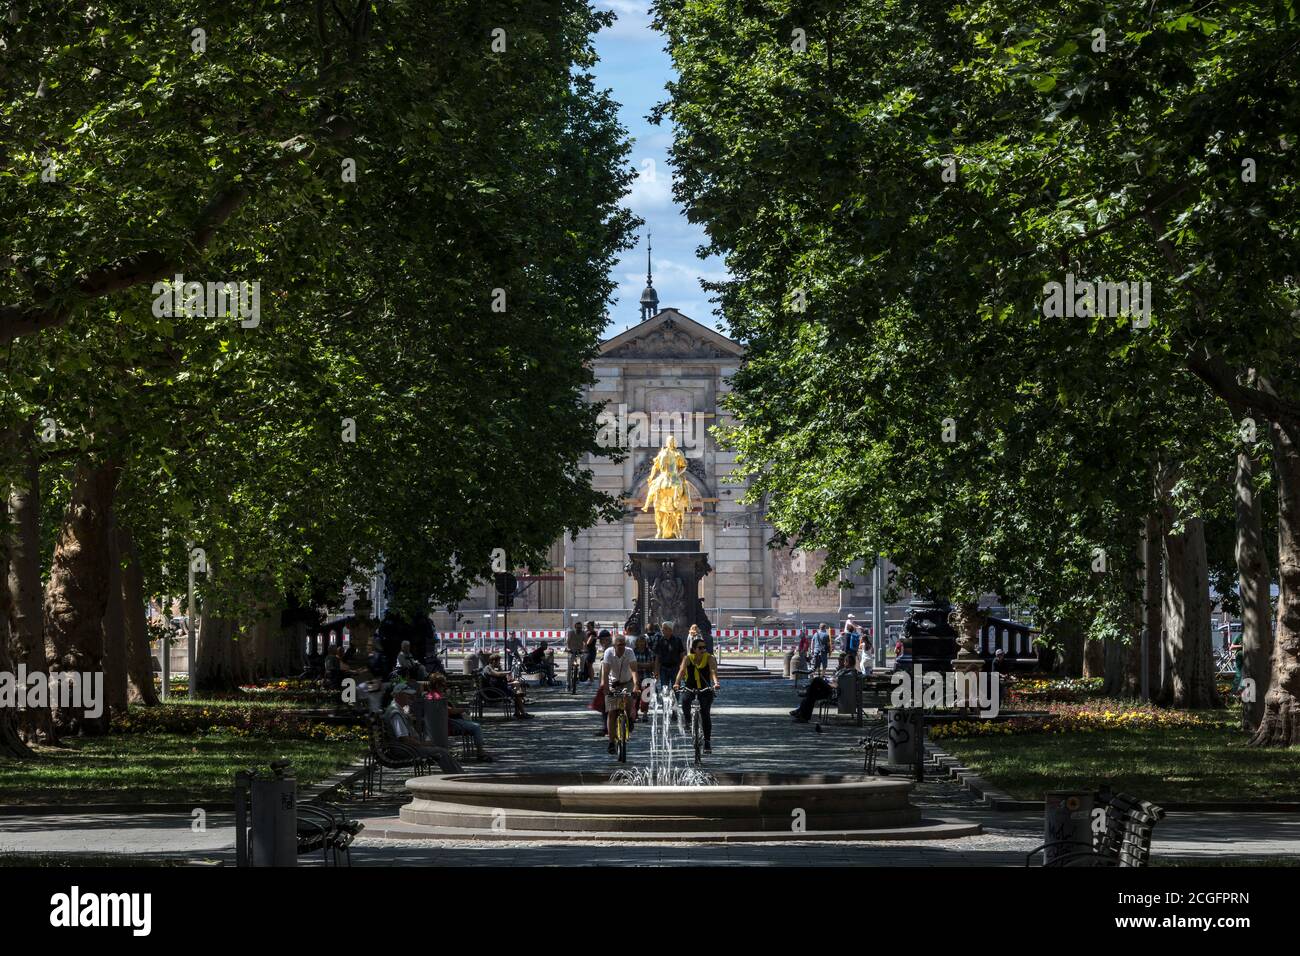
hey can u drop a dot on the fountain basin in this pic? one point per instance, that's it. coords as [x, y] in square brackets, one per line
[766, 806]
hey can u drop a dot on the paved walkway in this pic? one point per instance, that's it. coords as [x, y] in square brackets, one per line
[752, 731]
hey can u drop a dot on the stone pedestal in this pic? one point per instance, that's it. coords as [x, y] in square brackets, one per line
[928, 639]
[967, 688]
[362, 628]
[966, 621]
[667, 572]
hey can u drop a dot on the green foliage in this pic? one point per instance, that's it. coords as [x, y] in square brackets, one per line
[919, 174]
[475, 171]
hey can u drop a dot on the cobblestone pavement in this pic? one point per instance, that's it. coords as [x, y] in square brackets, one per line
[752, 731]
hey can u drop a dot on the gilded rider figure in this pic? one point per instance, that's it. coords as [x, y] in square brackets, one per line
[666, 490]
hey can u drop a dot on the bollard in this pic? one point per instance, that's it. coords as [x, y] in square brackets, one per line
[789, 664]
[1067, 822]
[275, 819]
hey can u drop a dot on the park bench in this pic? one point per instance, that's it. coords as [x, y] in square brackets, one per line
[873, 745]
[486, 695]
[523, 668]
[386, 753]
[326, 827]
[319, 825]
[1123, 839]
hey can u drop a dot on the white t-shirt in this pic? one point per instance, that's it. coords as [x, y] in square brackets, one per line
[620, 668]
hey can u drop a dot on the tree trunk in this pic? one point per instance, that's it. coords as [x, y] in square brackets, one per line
[1189, 673]
[1094, 658]
[26, 617]
[78, 590]
[115, 690]
[1069, 642]
[293, 648]
[277, 646]
[218, 664]
[1280, 725]
[1124, 660]
[1152, 601]
[1254, 579]
[139, 661]
[11, 742]
[1114, 669]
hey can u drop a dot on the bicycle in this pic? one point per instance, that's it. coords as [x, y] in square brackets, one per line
[697, 720]
[575, 671]
[622, 729]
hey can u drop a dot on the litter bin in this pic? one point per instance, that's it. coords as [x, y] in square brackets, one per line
[903, 729]
[1067, 823]
[268, 836]
[789, 664]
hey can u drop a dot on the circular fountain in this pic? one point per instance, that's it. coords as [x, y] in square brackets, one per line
[738, 806]
[668, 799]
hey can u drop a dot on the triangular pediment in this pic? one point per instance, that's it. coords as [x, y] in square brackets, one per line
[670, 335]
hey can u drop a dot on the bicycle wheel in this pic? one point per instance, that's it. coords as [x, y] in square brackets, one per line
[573, 678]
[697, 731]
[622, 736]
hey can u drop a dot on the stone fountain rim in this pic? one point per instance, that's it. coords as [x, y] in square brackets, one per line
[500, 782]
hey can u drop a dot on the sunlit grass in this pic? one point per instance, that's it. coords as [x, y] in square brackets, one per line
[160, 767]
[1183, 764]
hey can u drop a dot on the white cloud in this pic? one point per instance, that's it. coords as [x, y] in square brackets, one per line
[633, 17]
[653, 187]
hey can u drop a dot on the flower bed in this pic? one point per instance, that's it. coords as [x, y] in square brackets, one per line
[1067, 718]
[230, 720]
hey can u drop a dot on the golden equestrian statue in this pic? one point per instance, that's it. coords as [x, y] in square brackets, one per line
[667, 491]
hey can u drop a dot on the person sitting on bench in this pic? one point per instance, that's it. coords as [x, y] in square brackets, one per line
[820, 689]
[401, 727]
[457, 724]
[496, 678]
[536, 661]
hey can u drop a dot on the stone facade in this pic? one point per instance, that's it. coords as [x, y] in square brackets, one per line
[669, 373]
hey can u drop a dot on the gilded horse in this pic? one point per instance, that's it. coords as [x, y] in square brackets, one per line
[667, 492]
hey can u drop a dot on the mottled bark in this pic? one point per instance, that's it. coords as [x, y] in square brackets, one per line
[1253, 581]
[77, 594]
[1094, 658]
[114, 626]
[1189, 674]
[26, 615]
[1280, 724]
[1153, 600]
[272, 647]
[11, 742]
[218, 664]
[139, 660]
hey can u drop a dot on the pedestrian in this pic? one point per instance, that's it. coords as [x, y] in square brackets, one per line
[590, 656]
[668, 654]
[821, 645]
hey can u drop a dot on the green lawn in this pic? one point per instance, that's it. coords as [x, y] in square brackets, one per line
[160, 767]
[1164, 764]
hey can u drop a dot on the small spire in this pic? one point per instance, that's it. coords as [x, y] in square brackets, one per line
[649, 298]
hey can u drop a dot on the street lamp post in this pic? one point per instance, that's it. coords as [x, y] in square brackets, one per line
[878, 609]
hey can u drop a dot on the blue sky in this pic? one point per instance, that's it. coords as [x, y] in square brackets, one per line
[634, 67]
